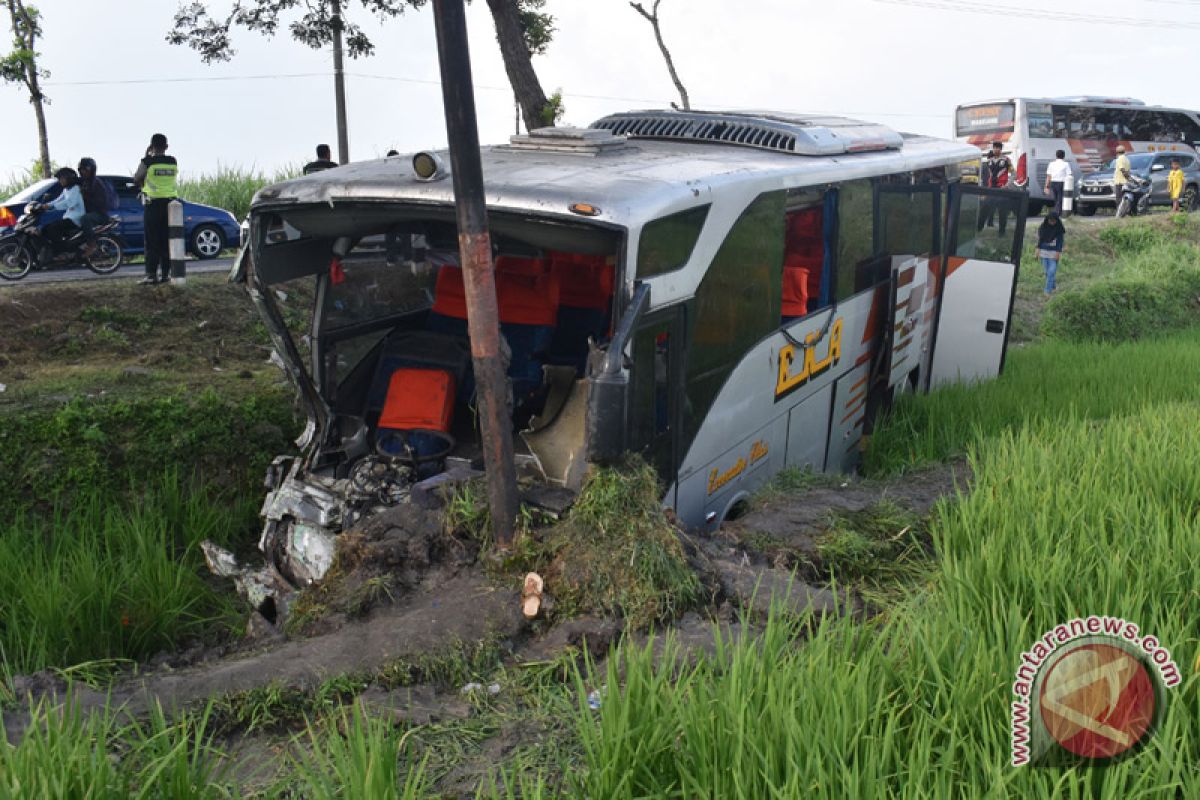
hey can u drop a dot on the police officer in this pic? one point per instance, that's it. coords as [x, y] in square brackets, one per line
[156, 176]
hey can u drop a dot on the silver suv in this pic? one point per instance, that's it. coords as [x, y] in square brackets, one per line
[1096, 189]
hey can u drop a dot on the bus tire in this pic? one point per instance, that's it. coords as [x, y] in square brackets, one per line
[1035, 208]
[1085, 210]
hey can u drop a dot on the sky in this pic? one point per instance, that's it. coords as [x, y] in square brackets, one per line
[907, 63]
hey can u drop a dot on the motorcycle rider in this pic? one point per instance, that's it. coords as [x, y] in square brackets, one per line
[95, 202]
[70, 202]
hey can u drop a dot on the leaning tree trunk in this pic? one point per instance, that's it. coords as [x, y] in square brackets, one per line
[39, 111]
[518, 62]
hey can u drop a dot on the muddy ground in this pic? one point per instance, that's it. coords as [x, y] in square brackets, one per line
[407, 657]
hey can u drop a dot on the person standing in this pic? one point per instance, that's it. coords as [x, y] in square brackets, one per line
[95, 201]
[156, 176]
[1121, 173]
[997, 168]
[323, 161]
[1056, 178]
[1175, 184]
[1051, 235]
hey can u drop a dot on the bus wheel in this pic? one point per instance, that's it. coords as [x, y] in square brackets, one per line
[1035, 208]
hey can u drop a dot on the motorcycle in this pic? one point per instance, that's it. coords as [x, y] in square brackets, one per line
[1135, 199]
[25, 247]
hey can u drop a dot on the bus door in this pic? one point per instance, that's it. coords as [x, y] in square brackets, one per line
[985, 231]
[655, 398]
[907, 232]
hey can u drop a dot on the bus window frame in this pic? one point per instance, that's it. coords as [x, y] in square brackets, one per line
[673, 319]
[798, 199]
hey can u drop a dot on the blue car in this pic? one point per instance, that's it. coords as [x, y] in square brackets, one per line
[207, 230]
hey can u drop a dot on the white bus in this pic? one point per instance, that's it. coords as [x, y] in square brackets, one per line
[1087, 129]
[725, 294]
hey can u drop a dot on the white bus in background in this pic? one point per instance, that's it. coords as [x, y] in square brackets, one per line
[1087, 129]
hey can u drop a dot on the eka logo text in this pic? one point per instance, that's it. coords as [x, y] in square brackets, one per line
[1089, 690]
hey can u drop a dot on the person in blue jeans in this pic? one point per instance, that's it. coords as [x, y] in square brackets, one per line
[1051, 234]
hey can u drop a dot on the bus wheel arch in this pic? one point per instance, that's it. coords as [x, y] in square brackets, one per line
[737, 506]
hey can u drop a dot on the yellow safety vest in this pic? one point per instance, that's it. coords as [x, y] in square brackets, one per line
[161, 172]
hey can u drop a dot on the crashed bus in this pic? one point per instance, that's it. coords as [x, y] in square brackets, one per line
[726, 294]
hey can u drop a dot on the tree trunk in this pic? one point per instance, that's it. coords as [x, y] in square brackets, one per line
[17, 9]
[43, 138]
[518, 62]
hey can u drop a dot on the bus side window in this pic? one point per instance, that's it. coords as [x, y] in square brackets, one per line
[666, 244]
[908, 223]
[805, 258]
[736, 305]
[857, 267]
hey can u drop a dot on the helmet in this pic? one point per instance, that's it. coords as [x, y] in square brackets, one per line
[87, 163]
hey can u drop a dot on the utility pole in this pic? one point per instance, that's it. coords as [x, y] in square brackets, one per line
[479, 279]
[339, 83]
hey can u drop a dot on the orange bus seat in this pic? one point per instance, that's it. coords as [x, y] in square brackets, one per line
[418, 399]
[585, 281]
[527, 291]
[450, 296]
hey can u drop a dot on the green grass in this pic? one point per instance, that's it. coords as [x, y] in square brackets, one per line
[1094, 250]
[1068, 517]
[101, 756]
[1153, 289]
[105, 756]
[98, 580]
[1046, 382]
[615, 553]
[111, 446]
[231, 187]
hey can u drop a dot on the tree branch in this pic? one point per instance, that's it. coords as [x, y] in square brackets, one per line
[652, 17]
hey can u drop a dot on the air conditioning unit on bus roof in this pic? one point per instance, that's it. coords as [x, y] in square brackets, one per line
[766, 130]
[1114, 101]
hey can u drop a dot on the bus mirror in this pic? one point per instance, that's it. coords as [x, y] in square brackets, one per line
[608, 397]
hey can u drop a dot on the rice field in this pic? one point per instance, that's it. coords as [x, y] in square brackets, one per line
[1084, 502]
[100, 583]
[1068, 517]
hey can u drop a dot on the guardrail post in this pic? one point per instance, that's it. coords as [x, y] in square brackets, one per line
[175, 249]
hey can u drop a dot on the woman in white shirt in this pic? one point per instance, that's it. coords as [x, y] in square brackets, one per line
[70, 202]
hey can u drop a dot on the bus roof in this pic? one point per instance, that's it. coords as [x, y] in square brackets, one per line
[1089, 101]
[628, 181]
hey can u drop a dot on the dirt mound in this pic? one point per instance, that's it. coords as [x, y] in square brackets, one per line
[384, 558]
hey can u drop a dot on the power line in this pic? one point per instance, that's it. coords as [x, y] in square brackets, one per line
[195, 79]
[430, 82]
[1037, 13]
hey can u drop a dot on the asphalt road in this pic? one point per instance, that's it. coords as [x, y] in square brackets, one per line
[128, 272]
